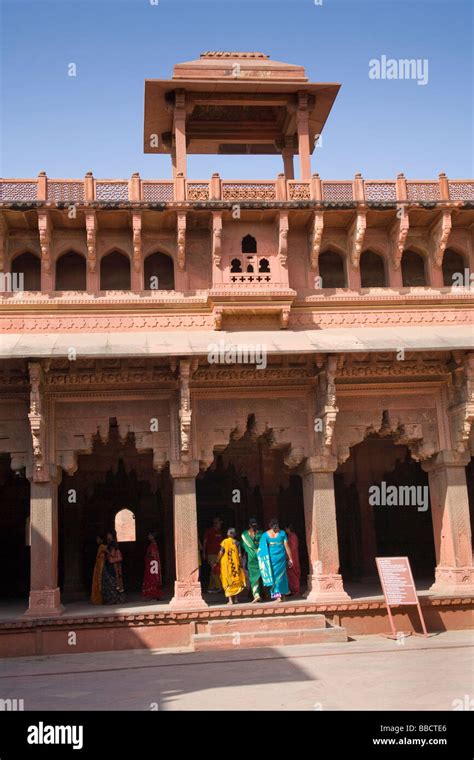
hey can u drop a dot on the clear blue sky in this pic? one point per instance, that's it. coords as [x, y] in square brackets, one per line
[68, 126]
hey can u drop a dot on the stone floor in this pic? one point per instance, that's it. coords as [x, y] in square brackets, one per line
[367, 673]
[14, 608]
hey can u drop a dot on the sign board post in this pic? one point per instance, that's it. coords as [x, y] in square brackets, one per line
[398, 587]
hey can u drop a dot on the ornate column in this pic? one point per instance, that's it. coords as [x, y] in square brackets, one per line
[451, 523]
[44, 592]
[324, 581]
[187, 589]
[45, 596]
[302, 125]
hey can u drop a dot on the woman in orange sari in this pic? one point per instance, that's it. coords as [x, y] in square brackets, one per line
[152, 582]
[96, 592]
[232, 573]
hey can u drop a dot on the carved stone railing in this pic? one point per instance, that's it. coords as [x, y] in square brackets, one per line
[248, 269]
[166, 191]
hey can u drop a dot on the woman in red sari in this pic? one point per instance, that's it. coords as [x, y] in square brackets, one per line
[294, 572]
[152, 582]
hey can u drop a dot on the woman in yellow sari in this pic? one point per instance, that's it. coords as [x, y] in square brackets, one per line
[232, 574]
[96, 593]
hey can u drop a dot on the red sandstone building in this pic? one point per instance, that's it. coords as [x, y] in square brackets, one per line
[344, 359]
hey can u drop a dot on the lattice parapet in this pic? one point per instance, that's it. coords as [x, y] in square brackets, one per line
[423, 191]
[461, 191]
[247, 191]
[18, 191]
[156, 192]
[299, 191]
[380, 191]
[337, 191]
[65, 191]
[198, 191]
[111, 191]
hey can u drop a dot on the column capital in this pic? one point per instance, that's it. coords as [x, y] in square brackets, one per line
[446, 458]
[319, 463]
[179, 469]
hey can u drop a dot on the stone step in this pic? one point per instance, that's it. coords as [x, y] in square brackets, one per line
[266, 623]
[205, 642]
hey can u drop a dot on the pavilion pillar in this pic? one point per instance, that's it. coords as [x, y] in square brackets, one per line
[302, 125]
[180, 132]
[45, 597]
[187, 588]
[324, 581]
[451, 523]
[287, 153]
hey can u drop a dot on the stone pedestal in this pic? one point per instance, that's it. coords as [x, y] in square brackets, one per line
[45, 597]
[324, 581]
[451, 523]
[187, 589]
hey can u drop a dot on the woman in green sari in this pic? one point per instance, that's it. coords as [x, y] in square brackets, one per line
[250, 542]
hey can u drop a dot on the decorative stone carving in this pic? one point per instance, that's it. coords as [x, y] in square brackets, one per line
[461, 402]
[439, 235]
[37, 422]
[181, 240]
[45, 234]
[283, 238]
[356, 236]
[185, 412]
[91, 237]
[317, 227]
[398, 236]
[326, 410]
[216, 237]
[3, 242]
[137, 240]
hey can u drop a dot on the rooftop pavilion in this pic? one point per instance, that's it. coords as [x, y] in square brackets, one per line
[236, 103]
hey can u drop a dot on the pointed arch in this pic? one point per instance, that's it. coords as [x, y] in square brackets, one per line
[71, 272]
[158, 272]
[28, 265]
[115, 271]
[372, 270]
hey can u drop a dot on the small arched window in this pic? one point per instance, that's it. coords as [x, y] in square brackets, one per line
[71, 272]
[125, 525]
[235, 265]
[413, 270]
[453, 267]
[249, 268]
[115, 272]
[331, 270]
[28, 267]
[372, 270]
[249, 244]
[159, 272]
[264, 266]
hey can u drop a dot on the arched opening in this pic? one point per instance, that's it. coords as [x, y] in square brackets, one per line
[115, 487]
[249, 244]
[235, 265]
[453, 267]
[125, 526]
[264, 266]
[372, 270]
[15, 529]
[71, 272]
[115, 272]
[413, 269]
[28, 266]
[383, 509]
[331, 270]
[159, 272]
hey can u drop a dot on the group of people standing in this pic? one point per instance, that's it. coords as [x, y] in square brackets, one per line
[261, 560]
[107, 579]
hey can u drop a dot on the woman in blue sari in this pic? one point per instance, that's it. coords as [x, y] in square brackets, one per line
[273, 553]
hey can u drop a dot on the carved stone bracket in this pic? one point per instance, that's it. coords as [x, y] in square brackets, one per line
[45, 234]
[91, 238]
[398, 236]
[356, 236]
[283, 238]
[37, 423]
[317, 226]
[439, 234]
[326, 410]
[187, 367]
[181, 240]
[137, 240]
[216, 237]
[461, 406]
